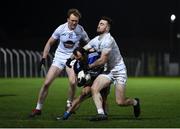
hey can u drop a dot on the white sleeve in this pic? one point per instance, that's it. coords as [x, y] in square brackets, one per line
[107, 46]
[57, 32]
[84, 35]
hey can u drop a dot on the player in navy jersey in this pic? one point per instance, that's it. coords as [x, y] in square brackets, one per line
[68, 35]
[83, 59]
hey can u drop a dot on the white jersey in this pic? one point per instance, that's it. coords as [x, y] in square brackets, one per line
[116, 69]
[64, 35]
[107, 43]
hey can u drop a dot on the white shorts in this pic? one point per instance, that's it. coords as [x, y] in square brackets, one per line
[60, 60]
[60, 63]
[117, 76]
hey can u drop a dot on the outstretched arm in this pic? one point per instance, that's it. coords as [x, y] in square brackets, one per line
[47, 47]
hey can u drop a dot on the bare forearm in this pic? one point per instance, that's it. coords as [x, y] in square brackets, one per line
[46, 50]
[98, 62]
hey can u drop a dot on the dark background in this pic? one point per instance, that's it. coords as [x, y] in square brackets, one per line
[138, 25]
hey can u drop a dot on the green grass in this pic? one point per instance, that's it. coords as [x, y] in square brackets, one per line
[160, 103]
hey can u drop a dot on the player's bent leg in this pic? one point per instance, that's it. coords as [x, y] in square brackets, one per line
[51, 75]
[104, 93]
[86, 91]
[121, 100]
[85, 94]
[100, 82]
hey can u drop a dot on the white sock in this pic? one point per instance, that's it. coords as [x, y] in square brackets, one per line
[134, 102]
[39, 106]
[100, 111]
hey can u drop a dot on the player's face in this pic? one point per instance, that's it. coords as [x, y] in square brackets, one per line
[102, 27]
[72, 21]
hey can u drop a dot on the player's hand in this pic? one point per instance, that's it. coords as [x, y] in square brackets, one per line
[68, 62]
[42, 62]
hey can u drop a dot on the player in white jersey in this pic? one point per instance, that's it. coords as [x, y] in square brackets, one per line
[68, 35]
[116, 70]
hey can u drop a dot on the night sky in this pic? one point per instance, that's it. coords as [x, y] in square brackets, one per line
[138, 25]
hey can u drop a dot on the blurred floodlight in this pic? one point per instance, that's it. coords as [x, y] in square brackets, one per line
[178, 35]
[173, 17]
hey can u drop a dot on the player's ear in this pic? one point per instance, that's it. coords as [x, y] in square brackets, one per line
[107, 28]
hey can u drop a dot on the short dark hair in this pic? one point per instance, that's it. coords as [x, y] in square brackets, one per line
[75, 12]
[80, 49]
[108, 19]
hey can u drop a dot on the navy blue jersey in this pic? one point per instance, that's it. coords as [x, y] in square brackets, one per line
[80, 65]
[91, 58]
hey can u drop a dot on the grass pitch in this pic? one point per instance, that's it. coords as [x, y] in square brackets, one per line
[160, 105]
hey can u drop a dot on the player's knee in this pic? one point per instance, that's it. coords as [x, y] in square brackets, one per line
[72, 82]
[46, 85]
[94, 90]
